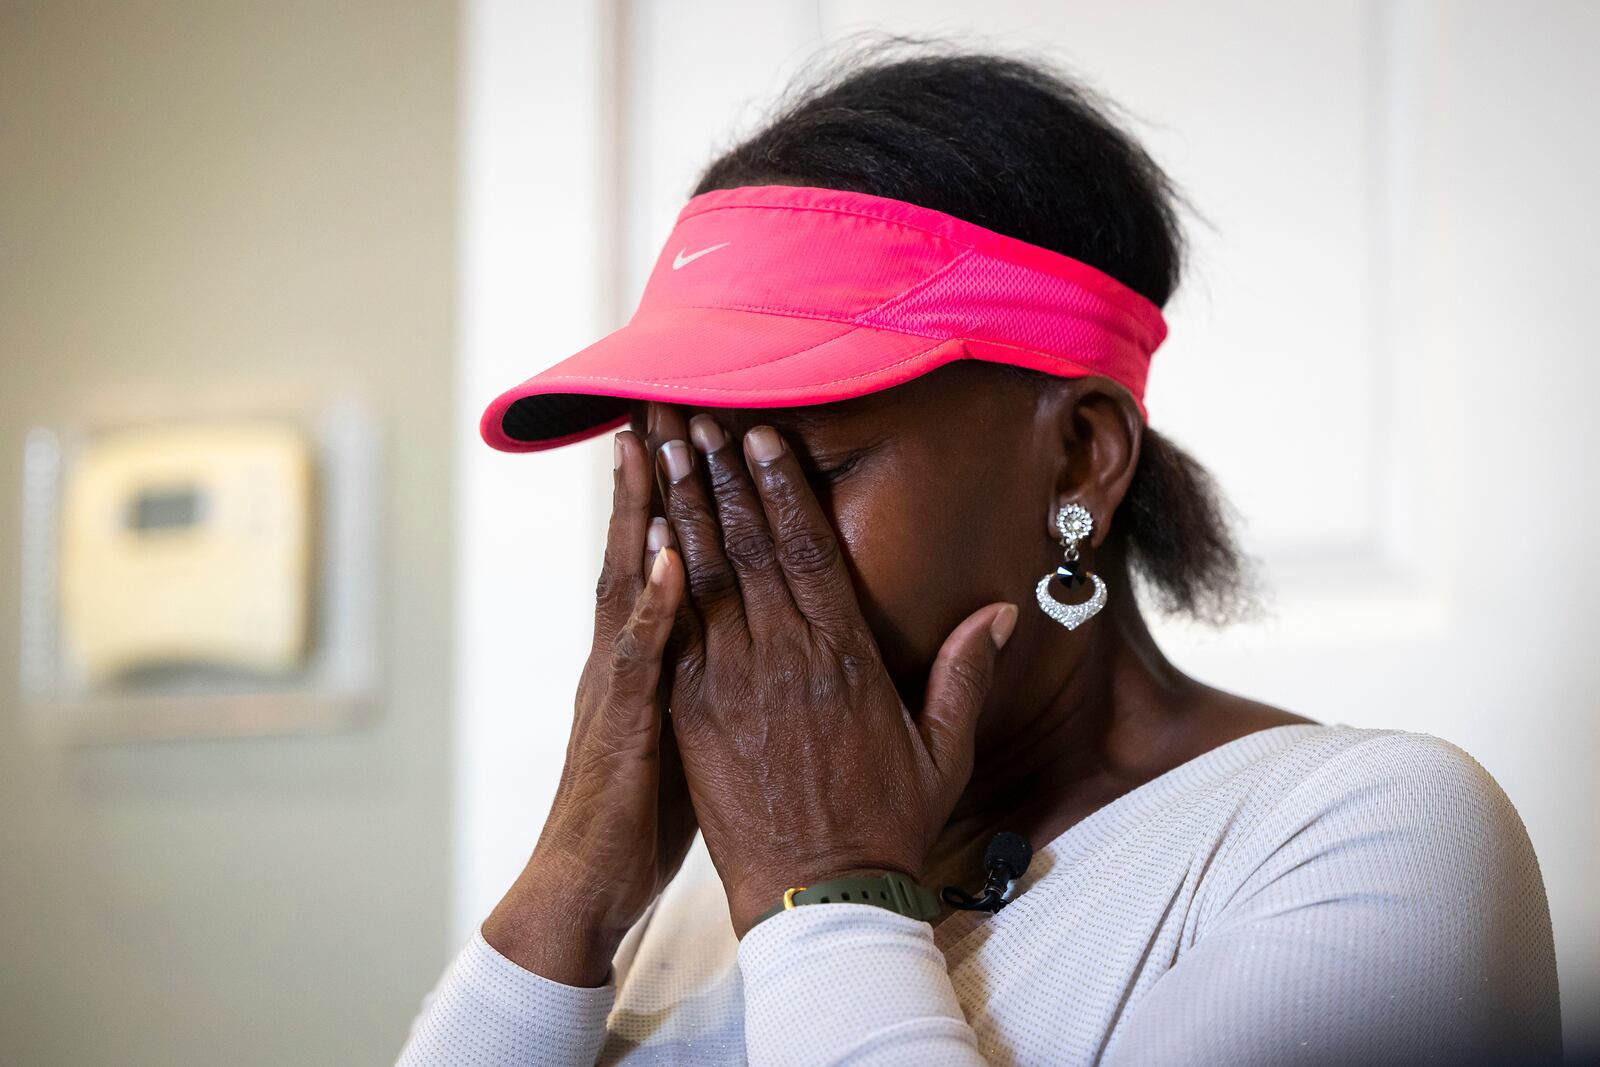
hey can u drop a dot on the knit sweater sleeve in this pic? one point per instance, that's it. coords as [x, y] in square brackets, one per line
[829, 984]
[850, 983]
[1388, 910]
[488, 1010]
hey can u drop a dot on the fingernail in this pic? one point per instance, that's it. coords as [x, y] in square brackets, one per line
[676, 455]
[616, 451]
[1000, 627]
[655, 538]
[764, 443]
[652, 412]
[707, 435]
[658, 569]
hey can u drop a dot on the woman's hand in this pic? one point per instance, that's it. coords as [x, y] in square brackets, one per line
[802, 761]
[621, 820]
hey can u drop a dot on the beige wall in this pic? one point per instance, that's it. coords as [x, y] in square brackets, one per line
[204, 196]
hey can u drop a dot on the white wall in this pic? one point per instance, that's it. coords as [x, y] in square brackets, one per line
[538, 227]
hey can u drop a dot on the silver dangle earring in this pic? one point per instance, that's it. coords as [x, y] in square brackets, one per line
[1075, 523]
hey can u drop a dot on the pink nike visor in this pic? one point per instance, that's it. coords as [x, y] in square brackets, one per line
[781, 295]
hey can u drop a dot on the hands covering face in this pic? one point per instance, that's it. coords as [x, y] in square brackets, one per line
[801, 760]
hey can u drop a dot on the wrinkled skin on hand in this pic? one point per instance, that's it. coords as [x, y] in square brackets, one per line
[802, 760]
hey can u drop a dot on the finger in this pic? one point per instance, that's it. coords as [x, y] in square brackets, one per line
[637, 651]
[958, 685]
[687, 624]
[746, 541]
[713, 587]
[663, 423]
[807, 549]
[657, 535]
[621, 575]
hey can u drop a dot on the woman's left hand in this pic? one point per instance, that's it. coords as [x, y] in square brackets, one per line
[803, 764]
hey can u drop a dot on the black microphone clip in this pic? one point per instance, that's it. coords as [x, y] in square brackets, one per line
[1005, 861]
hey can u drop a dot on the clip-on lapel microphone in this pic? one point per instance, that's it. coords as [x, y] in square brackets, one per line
[1005, 860]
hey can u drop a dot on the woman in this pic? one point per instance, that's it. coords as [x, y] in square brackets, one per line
[867, 603]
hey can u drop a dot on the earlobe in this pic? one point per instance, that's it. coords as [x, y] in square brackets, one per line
[1101, 431]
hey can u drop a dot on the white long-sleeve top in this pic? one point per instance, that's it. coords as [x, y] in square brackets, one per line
[1305, 894]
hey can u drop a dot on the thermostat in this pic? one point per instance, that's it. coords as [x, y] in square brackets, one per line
[189, 544]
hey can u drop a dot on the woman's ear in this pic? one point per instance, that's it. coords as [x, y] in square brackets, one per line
[1100, 431]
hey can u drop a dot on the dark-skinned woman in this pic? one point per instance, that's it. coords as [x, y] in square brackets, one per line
[884, 478]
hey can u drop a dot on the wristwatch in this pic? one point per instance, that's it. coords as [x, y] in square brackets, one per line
[893, 891]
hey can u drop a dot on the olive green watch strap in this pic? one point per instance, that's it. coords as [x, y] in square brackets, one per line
[893, 891]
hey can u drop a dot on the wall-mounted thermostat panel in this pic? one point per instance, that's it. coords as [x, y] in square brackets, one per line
[199, 575]
[189, 544]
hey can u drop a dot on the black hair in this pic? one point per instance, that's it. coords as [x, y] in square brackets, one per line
[1013, 143]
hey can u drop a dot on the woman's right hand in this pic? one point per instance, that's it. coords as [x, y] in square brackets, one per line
[621, 821]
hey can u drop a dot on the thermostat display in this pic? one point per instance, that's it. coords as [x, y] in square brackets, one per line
[163, 510]
[189, 544]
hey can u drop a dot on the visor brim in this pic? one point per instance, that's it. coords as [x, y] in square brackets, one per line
[710, 357]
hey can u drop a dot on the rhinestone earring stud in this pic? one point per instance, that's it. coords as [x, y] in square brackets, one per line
[1075, 523]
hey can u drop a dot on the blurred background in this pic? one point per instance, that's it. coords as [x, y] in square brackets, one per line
[277, 724]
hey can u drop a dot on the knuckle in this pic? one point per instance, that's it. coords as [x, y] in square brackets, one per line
[809, 552]
[749, 547]
[684, 504]
[703, 558]
[856, 663]
[787, 674]
[611, 587]
[793, 669]
[723, 476]
[788, 669]
[781, 493]
[712, 581]
[628, 652]
[769, 668]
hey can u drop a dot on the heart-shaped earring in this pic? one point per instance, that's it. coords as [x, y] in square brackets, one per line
[1075, 523]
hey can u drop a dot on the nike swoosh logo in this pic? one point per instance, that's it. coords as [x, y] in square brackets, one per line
[680, 259]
